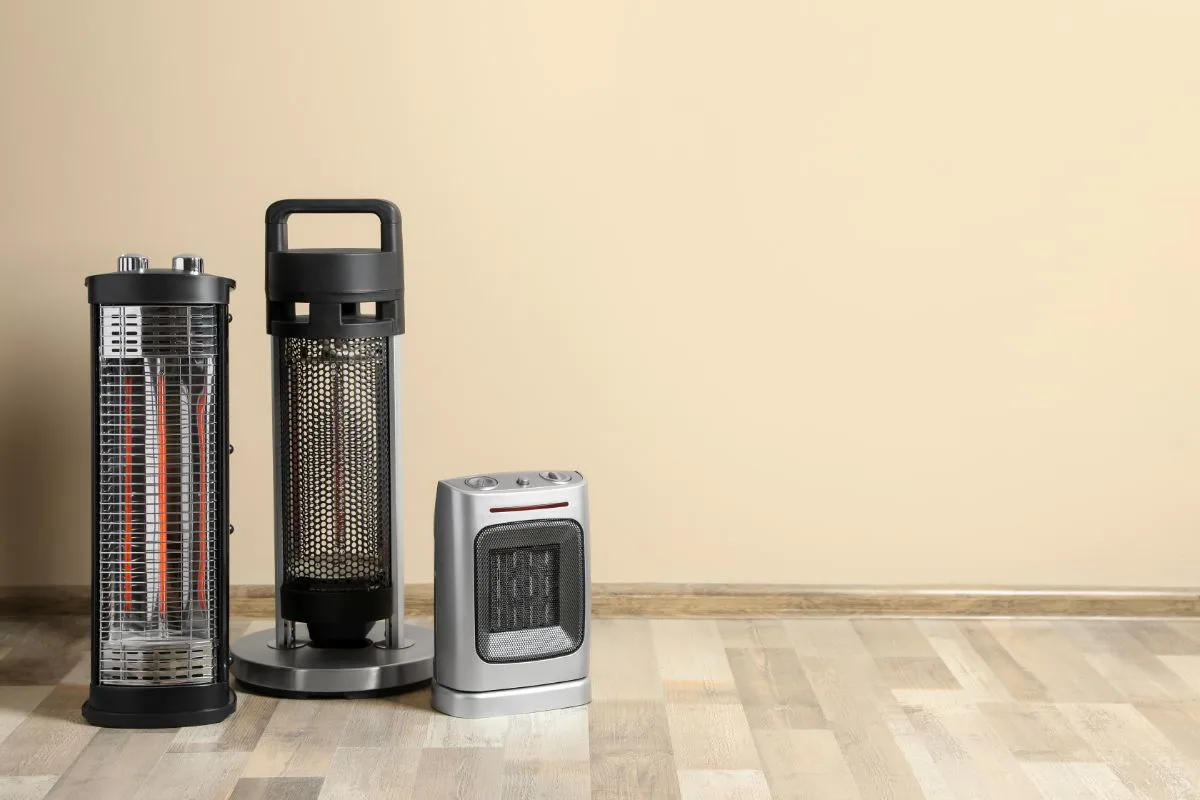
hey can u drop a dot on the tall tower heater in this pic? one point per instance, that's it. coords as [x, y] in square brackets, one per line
[335, 317]
[160, 489]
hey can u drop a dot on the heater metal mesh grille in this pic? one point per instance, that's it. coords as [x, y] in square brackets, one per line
[335, 457]
[523, 588]
[158, 494]
[530, 593]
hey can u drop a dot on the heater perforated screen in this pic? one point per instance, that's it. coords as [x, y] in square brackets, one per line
[158, 493]
[336, 463]
[530, 590]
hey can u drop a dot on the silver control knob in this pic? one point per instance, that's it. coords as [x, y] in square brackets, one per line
[133, 262]
[557, 477]
[522, 481]
[193, 265]
[482, 482]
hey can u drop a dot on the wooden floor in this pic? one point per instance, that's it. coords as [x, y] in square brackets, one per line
[821, 709]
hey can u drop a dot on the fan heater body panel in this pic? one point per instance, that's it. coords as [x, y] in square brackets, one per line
[512, 598]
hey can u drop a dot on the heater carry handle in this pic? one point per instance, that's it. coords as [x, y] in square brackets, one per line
[279, 211]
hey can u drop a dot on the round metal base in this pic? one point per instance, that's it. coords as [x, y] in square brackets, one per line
[306, 671]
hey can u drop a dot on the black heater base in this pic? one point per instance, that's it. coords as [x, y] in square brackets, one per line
[158, 706]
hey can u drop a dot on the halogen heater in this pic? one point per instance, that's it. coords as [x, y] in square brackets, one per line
[335, 317]
[160, 486]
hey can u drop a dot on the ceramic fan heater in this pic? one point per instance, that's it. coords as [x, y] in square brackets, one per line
[512, 596]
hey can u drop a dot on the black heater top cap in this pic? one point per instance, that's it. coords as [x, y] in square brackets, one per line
[334, 282]
[135, 284]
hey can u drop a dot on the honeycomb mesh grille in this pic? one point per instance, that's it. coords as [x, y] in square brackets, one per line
[335, 456]
[530, 595]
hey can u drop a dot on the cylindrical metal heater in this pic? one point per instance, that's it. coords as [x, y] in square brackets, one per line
[160, 484]
[335, 317]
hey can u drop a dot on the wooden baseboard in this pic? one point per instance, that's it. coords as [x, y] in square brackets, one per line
[741, 601]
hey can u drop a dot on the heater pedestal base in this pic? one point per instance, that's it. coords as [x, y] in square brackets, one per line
[504, 702]
[307, 671]
[158, 707]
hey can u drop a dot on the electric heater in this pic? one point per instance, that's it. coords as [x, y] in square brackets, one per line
[335, 317]
[512, 600]
[160, 515]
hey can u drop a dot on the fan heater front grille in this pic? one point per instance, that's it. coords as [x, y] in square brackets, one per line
[529, 590]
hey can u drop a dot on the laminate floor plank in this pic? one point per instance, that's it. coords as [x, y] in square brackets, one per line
[552, 737]
[1178, 721]
[806, 708]
[193, 776]
[711, 784]
[277, 789]
[1126, 663]
[113, 765]
[50, 737]
[972, 669]
[973, 758]
[1054, 660]
[624, 665]
[805, 765]
[48, 652]
[27, 787]
[1036, 732]
[540, 780]
[692, 664]
[826, 638]
[631, 751]
[1138, 753]
[711, 736]
[855, 702]
[1164, 638]
[240, 732]
[458, 773]
[774, 689]
[1073, 781]
[16, 703]
[758, 633]
[1018, 681]
[893, 638]
[300, 739]
[385, 772]
[917, 673]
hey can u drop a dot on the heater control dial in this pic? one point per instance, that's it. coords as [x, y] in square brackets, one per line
[482, 482]
[556, 477]
[133, 262]
[192, 265]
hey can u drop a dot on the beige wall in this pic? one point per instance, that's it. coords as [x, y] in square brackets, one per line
[813, 291]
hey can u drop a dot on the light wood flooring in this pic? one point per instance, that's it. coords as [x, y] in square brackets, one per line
[823, 709]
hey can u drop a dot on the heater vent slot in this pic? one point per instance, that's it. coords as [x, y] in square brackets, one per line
[335, 450]
[530, 592]
[157, 416]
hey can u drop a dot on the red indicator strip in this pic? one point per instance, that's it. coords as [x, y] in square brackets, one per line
[530, 508]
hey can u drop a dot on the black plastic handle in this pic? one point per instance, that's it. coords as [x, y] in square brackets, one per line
[279, 211]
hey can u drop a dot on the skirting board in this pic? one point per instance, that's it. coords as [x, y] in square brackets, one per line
[743, 601]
